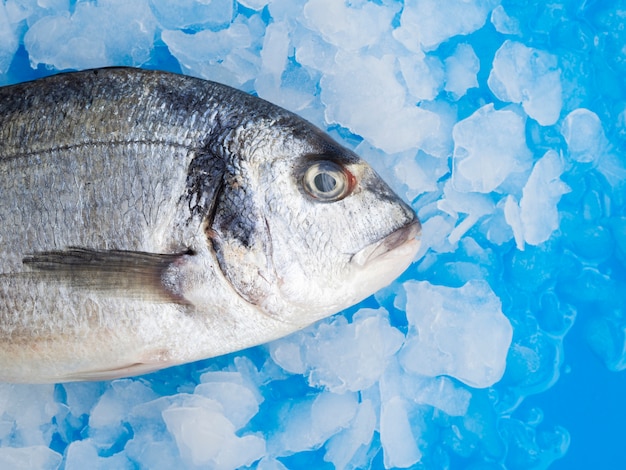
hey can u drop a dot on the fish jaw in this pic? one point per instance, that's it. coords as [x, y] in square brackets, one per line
[379, 264]
[403, 238]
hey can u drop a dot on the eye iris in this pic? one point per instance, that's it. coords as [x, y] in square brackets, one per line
[325, 182]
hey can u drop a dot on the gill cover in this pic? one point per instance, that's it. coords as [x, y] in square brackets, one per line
[239, 234]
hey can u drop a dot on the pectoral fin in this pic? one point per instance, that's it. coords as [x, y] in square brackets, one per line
[133, 274]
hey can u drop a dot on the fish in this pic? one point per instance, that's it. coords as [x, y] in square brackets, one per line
[150, 219]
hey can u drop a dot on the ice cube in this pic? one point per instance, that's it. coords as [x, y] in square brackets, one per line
[461, 70]
[489, 146]
[543, 191]
[343, 356]
[342, 447]
[193, 14]
[582, 130]
[29, 458]
[399, 444]
[426, 23]
[92, 36]
[8, 40]
[363, 94]
[222, 56]
[447, 332]
[308, 423]
[529, 76]
[504, 23]
[350, 26]
[84, 454]
[205, 437]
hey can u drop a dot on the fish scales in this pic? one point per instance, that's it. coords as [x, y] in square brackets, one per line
[149, 219]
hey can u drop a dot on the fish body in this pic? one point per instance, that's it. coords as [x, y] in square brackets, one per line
[149, 219]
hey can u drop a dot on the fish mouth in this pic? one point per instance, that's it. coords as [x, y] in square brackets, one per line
[405, 236]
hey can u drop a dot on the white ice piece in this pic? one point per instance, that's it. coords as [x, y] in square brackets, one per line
[185, 14]
[538, 207]
[460, 332]
[528, 76]
[582, 130]
[363, 94]
[425, 24]
[399, 444]
[8, 39]
[461, 70]
[348, 26]
[93, 36]
[205, 437]
[341, 356]
[222, 56]
[29, 458]
[489, 146]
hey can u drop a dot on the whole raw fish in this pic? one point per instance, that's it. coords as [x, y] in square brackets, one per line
[149, 219]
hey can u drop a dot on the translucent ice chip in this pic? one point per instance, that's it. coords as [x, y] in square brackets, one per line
[27, 414]
[185, 14]
[460, 332]
[536, 217]
[117, 401]
[461, 70]
[274, 59]
[339, 355]
[267, 463]
[113, 408]
[275, 51]
[475, 205]
[427, 23]
[422, 74]
[205, 437]
[542, 193]
[29, 458]
[93, 36]
[341, 448]
[307, 423]
[399, 444]
[83, 454]
[582, 130]
[254, 4]
[504, 23]
[82, 396]
[528, 76]
[440, 392]
[363, 94]
[313, 52]
[8, 40]
[348, 26]
[488, 146]
[513, 217]
[239, 403]
[222, 56]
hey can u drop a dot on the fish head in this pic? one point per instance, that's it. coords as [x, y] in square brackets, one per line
[307, 228]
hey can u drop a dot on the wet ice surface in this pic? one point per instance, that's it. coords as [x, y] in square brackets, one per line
[502, 123]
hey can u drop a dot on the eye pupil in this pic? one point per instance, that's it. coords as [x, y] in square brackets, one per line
[325, 182]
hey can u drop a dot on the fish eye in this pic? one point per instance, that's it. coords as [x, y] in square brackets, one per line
[327, 181]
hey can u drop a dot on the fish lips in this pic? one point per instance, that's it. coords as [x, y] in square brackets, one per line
[403, 239]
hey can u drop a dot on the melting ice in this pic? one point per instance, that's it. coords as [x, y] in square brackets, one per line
[485, 115]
